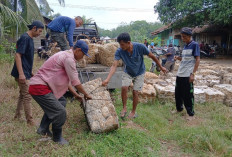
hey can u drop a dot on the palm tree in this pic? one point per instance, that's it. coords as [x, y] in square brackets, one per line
[87, 20]
[15, 13]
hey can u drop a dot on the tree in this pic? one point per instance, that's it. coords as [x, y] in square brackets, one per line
[194, 12]
[9, 18]
[54, 16]
[138, 30]
[87, 20]
[20, 12]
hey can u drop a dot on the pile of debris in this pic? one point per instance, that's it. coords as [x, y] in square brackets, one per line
[99, 111]
[213, 83]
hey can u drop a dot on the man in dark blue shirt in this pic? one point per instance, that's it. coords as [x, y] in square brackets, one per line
[131, 54]
[22, 69]
[59, 26]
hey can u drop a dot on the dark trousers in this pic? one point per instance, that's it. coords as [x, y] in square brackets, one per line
[60, 39]
[184, 95]
[54, 110]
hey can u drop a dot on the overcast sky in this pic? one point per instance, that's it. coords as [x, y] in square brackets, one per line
[105, 12]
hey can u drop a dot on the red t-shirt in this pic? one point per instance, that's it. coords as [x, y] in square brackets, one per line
[39, 89]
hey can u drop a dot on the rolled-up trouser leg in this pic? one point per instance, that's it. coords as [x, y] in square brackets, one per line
[54, 109]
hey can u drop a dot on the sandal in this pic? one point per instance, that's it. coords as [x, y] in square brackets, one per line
[135, 116]
[123, 114]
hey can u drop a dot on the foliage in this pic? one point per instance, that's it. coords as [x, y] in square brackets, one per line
[7, 50]
[87, 20]
[9, 19]
[156, 40]
[12, 16]
[53, 16]
[139, 30]
[45, 9]
[6, 58]
[194, 12]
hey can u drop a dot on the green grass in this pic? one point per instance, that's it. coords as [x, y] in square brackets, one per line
[6, 58]
[147, 62]
[156, 132]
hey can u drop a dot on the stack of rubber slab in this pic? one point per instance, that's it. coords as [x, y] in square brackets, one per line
[214, 96]
[147, 94]
[165, 92]
[199, 94]
[100, 111]
[227, 90]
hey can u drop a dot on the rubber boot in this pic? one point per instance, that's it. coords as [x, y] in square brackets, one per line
[57, 137]
[44, 126]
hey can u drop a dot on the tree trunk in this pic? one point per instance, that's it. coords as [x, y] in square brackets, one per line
[15, 5]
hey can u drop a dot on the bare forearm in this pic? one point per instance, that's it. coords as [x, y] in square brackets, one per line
[196, 64]
[156, 60]
[74, 93]
[111, 73]
[81, 89]
[19, 63]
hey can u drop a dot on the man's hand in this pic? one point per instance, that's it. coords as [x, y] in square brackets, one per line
[177, 58]
[79, 97]
[164, 70]
[87, 97]
[32, 74]
[191, 78]
[105, 82]
[22, 78]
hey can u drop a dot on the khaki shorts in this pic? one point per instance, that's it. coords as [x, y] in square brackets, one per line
[137, 81]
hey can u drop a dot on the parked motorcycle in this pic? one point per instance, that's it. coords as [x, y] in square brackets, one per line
[159, 53]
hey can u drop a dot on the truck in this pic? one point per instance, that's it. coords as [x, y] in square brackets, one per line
[93, 71]
[87, 31]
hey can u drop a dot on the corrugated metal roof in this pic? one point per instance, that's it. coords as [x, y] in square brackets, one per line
[161, 29]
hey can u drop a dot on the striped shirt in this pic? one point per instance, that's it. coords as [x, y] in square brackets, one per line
[188, 61]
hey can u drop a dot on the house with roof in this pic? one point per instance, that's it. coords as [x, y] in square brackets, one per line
[209, 34]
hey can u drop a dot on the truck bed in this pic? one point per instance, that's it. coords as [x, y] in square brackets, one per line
[93, 71]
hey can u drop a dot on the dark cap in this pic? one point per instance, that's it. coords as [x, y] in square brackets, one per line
[84, 47]
[38, 24]
[186, 30]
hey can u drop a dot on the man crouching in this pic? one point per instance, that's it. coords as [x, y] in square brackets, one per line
[53, 79]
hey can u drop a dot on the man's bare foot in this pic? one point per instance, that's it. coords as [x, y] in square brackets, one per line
[123, 113]
[132, 115]
[31, 123]
[190, 118]
[19, 118]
